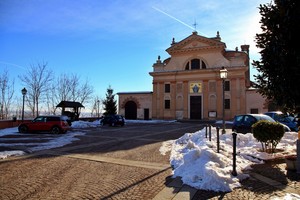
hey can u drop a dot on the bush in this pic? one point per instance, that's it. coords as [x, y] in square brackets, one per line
[268, 133]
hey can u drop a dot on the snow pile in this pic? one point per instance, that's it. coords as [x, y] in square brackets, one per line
[5, 154]
[63, 140]
[52, 142]
[85, 124]
[8, 131]
[195, 159]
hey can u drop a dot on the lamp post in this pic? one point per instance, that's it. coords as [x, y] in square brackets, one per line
[98, 103]
[223, 76]
[24, 91]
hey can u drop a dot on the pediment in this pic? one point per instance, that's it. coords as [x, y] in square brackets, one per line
[195, 43]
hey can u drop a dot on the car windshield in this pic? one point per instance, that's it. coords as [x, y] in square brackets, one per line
[282, 118]
[238, 118]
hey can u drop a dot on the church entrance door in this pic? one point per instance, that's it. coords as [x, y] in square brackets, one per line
[195, 107]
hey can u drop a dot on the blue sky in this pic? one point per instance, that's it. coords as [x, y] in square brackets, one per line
[115, 42]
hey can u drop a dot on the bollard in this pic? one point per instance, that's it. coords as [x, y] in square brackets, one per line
[209, 134]
[218, 140]
[298, 155]
[234, 173]
[206, 130]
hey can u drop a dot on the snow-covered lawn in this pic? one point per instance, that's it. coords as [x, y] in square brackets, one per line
[195, 159]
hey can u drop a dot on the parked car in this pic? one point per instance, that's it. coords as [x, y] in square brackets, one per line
[53, 124]
[284, 119]
[113, 120]
[243, 123]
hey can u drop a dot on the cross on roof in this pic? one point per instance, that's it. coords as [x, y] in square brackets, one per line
[195, 25]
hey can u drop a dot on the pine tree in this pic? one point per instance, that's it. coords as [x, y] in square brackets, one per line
[279, 67]
[110, 104]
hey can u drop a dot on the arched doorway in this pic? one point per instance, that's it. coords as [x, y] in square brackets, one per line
[130, 110]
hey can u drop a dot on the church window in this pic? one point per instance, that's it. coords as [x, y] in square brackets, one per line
[167, 104]
[227, 104]
[187, 67]
[254, 110]
[203, 65]
[195, 64]
[227, 86]
[167, 88]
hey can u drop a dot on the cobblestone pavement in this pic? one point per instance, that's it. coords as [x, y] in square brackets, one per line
[125, 163]
[267, 181]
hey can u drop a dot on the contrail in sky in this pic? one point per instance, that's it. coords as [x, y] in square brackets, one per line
[6, 63]
[173, 18]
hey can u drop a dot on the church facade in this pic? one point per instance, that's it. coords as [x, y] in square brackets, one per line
[187, 85]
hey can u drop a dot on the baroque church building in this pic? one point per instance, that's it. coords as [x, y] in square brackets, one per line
[187, 85]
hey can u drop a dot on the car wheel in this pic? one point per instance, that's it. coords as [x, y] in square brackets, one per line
[55, 130]
[23, 129]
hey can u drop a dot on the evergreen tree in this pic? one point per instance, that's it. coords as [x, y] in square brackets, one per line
[279, 67]
[110, 104]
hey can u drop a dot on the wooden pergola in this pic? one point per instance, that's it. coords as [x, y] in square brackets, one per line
[70, 104]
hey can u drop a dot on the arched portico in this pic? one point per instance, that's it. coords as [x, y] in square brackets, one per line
[130, 110]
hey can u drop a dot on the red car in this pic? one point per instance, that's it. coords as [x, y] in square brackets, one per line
[53, 124]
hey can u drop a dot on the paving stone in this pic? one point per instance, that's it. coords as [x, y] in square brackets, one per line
[125, 163]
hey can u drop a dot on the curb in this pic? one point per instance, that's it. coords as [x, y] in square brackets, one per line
[176, 190]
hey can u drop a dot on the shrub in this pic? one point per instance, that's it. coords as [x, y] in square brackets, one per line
[268, 133]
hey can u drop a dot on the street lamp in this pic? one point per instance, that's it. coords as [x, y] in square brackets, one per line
[223, 76]
[98, 103]
[24, 91]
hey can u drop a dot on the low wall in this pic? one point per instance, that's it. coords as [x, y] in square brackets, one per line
[11, 123]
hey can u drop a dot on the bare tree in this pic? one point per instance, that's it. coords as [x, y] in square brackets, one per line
[74, 87]
[51, 100]
[63, 88]
[60, 91]
[70, 88]
[6, 95]
[85, 92]
[37, 81]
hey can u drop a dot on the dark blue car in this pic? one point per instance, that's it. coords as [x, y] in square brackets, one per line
[113, 120]
[243, 123]
[284, 119]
